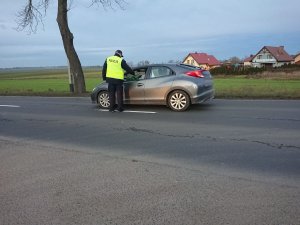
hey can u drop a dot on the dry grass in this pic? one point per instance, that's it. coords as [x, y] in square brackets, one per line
[293, 75]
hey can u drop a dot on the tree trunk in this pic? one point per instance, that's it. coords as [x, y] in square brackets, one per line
[67, 37]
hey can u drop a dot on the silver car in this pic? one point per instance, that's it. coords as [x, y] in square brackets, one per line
[174, 85]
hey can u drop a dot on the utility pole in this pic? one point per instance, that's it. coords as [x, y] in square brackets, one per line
[71, 81]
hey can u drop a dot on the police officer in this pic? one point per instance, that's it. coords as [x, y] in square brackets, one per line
[113, 73]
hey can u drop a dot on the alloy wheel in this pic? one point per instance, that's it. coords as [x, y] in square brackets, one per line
[103, 99]
[179, 101]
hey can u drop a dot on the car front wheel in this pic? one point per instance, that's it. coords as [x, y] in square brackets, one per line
[178, 101]
[103, 99]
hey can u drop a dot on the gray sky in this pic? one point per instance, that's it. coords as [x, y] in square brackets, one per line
[154, 30]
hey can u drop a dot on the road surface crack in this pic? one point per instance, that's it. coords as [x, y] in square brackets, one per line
[134, 129]
[272, 145]
[215, 139]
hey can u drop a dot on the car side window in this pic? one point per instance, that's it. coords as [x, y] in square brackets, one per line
[139, 74]
[160, 71]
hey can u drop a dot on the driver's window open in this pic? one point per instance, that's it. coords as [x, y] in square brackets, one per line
[140, 73]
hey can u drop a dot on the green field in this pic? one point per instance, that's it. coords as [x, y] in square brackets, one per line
[43, 81]
[55, 82]
[257, 88]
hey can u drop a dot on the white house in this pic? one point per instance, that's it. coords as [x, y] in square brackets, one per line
[270, 56]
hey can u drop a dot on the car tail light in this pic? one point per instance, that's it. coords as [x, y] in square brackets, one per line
[195, 73]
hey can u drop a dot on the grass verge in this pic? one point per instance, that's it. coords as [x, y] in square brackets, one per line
[54, 82]
[257, 88]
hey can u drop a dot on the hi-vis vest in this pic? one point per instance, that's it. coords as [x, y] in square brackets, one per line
[114, 68]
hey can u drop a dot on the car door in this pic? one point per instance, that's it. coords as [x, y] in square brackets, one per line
[158, 83]
[134, 88]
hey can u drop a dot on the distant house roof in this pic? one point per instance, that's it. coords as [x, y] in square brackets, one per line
[297, 59]
[279, 53]
[295, 56]
[249, 59]
[203, 58]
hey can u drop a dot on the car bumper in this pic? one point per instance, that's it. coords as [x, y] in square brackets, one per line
[94, 97]
[203, 97]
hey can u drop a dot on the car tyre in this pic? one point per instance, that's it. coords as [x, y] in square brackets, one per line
[103, 100]
[179, 101]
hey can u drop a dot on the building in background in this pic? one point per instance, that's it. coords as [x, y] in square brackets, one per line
[248, 61]
[269, 56]
[202, 60]
[297, 59]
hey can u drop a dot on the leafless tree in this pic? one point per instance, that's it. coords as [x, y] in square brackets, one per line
[143, 63]
[174, 61]
[32, 15]
[235, 60]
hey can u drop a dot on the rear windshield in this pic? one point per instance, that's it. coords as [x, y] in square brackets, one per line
[206, 73]
[182, 68]
[189, 67]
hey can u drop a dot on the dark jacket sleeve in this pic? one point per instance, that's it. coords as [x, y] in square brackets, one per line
[104, 68]
[126, 67]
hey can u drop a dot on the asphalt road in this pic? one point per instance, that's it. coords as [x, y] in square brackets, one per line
[64, 161]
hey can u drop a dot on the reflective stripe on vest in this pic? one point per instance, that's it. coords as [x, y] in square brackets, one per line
[114, 68]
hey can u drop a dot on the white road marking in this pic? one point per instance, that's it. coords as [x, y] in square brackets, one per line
[129, 111]
[12, 106]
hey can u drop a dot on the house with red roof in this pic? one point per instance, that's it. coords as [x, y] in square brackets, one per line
[248, 60]
[202, 60]
[269, 56]
[297, 59]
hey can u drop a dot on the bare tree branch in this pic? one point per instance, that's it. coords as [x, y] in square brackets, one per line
[110, 3]
[31, 16]
[70, 5]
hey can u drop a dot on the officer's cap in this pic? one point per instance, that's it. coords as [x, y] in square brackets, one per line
[119, 52]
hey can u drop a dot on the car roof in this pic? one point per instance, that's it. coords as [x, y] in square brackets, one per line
[169, 65]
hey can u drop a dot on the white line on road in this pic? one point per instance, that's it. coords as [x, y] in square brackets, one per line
[12, 106]
[129, 111]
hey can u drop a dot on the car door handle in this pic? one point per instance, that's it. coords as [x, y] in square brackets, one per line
[140, 84]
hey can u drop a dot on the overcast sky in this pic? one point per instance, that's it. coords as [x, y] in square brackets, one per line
[154, 30]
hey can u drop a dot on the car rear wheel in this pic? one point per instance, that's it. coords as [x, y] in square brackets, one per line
[103, 99]
[178, 101]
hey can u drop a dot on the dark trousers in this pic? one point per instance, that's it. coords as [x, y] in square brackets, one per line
[113, 91]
